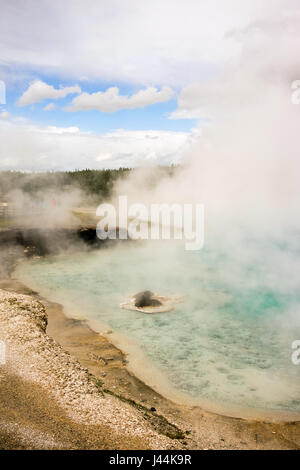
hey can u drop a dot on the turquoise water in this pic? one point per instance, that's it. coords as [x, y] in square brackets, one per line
[229, 342]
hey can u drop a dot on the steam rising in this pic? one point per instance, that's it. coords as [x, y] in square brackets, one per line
[46, 209]
[244, 164]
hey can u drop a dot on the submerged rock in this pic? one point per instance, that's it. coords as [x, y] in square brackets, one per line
[148, 302]
[145, 299]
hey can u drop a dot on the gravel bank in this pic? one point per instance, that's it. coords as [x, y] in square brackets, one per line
[52, 378]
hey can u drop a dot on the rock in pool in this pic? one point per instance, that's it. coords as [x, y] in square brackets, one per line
[148, 302]
[145, 299]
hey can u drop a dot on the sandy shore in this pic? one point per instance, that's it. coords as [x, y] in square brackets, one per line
[66, 386]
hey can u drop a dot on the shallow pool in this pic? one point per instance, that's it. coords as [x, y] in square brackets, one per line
[229, 342]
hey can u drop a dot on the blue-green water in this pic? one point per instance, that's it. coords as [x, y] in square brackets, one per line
[229, 342]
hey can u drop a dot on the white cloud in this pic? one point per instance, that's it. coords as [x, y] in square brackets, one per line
[110, 101]
[269, 60]
[185, 114]
[159, 42]
[28, 147]
[39, 91]
[60, 130]
[49, 107]
[4, 114]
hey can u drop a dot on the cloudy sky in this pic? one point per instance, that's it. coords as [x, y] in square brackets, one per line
[109, 83]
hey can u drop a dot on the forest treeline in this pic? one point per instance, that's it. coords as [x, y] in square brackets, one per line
[91, 182]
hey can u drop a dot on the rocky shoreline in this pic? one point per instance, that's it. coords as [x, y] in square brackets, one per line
[64, 386]
[34, 358]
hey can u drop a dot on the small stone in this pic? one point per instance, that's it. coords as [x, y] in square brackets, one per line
[145, 299]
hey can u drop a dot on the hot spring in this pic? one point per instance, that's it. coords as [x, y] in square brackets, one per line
[227, 347]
